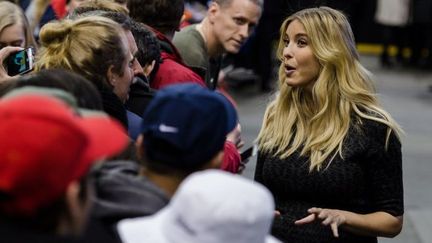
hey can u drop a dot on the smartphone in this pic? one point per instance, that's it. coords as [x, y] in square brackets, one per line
[20, 62]
[245, 155]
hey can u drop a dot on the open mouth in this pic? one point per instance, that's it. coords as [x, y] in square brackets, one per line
[289, 69]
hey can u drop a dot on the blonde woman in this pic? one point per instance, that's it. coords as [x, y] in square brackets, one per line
[330, 154]
[14, 27]
[98, 49]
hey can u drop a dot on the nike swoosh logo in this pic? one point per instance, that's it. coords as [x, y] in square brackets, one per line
[168, 129]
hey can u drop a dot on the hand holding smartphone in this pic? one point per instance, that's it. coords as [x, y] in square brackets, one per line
[20, 62]
[246, 154]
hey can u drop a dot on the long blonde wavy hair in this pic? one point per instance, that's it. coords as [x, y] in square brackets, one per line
[316, 123]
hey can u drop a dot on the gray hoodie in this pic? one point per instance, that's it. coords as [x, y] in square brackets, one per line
[120, 193]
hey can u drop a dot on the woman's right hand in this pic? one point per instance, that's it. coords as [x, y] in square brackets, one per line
[4, 54]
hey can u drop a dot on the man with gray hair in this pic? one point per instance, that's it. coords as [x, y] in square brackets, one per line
[225, 28]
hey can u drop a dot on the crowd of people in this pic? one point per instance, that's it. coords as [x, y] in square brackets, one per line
[118, 129]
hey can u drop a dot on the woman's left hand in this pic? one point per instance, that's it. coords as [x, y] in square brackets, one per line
[4, 54]
[332, 217]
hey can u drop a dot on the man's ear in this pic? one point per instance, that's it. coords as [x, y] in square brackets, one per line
[77, 209]
[139, 146]
[148, 68]
[111, 76]
[216, 161]
[213, 11]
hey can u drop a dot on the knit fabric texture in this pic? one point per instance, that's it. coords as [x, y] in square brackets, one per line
[367, 179]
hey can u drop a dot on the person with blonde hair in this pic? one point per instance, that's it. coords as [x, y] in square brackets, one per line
[101, 5]
[328, 151]
[14, 27]
[98, 49]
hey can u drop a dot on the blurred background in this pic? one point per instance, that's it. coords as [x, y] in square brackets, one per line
[399, 56]
[394, 38]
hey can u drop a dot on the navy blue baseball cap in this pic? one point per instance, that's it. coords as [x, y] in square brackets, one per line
[185, 125]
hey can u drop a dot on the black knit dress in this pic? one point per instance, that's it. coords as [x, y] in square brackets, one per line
[368, 179]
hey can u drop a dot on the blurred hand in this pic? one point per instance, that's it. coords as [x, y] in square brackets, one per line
[4, 53]
[235, 137]
[241, 168]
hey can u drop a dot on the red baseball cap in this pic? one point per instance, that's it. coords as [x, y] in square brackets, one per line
[45, 146]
